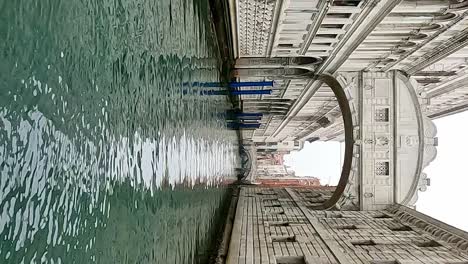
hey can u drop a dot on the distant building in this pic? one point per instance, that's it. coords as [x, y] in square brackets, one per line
[288, 182]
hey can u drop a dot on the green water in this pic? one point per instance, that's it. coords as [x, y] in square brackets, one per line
[108, 152]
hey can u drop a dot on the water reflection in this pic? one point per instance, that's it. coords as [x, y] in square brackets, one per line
[104, 155]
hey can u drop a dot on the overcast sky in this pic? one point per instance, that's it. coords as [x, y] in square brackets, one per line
[318, 159]
[447, 197]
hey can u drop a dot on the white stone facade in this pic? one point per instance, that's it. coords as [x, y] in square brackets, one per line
[276, 225]
[401, 64]
[394, 140]
[425, 38]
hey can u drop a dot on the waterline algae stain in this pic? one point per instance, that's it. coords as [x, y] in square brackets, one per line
[108, 152]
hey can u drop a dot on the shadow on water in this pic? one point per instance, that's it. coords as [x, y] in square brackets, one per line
[179, 239]
[104, 155]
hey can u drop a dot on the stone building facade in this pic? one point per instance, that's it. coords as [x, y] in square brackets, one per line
[371, 73]
[293, 41]
[279, 225]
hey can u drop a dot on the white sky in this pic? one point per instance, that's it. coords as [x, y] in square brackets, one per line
[447, 197]
[319, 159]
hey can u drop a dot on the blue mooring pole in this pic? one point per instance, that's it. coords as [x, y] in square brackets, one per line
[250, 84]
[235, 125]
[236, 92]
[232, 84]
[253, 92]
[241, 116]
[249, 117]
[249, 114]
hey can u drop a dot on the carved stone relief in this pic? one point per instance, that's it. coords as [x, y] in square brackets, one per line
[378, 142]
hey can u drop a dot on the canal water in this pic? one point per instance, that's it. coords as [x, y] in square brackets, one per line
[108, 151]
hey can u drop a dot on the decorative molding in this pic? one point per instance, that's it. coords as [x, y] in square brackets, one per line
[455, 237]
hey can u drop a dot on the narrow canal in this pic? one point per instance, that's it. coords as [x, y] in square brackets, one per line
[108, 152]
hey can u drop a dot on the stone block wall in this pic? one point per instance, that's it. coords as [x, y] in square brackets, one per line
[276, 225]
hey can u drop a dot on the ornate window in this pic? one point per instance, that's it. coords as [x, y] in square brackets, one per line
[368, 242]
[381, 115]
[428, 243]
[382, 168]
[283, 238]
[290, 260]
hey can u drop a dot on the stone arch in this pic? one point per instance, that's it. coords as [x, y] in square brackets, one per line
[342, 99]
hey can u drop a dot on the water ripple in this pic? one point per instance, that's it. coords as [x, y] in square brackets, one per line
[108, 153]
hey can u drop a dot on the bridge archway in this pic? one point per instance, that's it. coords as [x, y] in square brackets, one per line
[346, 115]
[343, 103]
